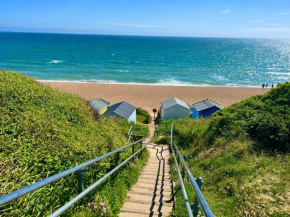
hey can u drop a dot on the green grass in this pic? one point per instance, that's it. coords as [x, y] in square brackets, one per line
[242, 154]
[44, 132]
[143, 116]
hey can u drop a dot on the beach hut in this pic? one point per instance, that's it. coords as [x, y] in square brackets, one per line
[122, 110]
[99, 105]
[205, 108]
[174, 108]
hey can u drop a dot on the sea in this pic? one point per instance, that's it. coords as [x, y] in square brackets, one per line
[176, 61]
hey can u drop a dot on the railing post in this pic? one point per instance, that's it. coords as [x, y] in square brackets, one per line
[80, 178]
[178, 160]
[117, 157]
[183, 170]
[195, 206]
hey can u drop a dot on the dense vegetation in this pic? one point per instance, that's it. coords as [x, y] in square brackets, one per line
[44, 132]
[143, 116]
[242, 153]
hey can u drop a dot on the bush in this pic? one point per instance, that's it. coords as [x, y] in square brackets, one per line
[242, 154]
[143, 116]
[44, 132]
[265, 119]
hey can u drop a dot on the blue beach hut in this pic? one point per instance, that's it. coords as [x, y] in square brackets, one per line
[205, 108]
[122, 110]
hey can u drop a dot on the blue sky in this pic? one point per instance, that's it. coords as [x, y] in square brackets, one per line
[197, 18]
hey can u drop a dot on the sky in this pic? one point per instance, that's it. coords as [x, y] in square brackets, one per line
[190, 18]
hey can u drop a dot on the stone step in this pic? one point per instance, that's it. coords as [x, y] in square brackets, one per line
[155, 170]
[149, 192]
[150, 177]
[167, 186]
[152, 187]
[148, 213]
[165, 210]
[129, 214]
[151, 181]
[154, 177]
[152, 197]
[155, 174]
[169, 204]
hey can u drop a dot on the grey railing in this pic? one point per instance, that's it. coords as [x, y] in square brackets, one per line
[79, 169]
[130, 133]
[192, 209]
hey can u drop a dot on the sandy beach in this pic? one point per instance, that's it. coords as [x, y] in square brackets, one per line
[150, 96]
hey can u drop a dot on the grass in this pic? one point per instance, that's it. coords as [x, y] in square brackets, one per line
[242, 154]
[143, 116]
[44, 132]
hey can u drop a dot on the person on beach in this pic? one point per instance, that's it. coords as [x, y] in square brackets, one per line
[267, 85]
[272, 85]
[263, 85]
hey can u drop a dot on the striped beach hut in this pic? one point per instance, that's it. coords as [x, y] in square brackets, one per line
[174, 108]
[99, 105]
[205, 108]
[122, 110]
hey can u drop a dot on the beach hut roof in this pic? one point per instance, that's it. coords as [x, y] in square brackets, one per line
[98, 105]
[122, 109]
[108, 103]
[174, 101]
[205, 104]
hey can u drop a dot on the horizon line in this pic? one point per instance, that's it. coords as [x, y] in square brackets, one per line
[136, 35]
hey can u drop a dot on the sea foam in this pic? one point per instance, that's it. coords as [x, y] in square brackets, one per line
[55, 61]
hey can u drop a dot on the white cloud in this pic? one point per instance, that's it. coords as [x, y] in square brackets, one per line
[142, 25]
[227, 11]
[282, 29]
[256, 21]
[282, 14]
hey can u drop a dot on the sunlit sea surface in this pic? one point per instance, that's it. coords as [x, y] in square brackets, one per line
[146, 60]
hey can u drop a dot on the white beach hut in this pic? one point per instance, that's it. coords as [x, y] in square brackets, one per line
[174, 109]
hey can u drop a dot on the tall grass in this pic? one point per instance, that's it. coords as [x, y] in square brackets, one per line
[44, 132]
[242, 154]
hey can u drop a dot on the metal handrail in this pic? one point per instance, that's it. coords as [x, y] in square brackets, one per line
[199, 196]
[187, 204]
[21, 192]
[89, 189]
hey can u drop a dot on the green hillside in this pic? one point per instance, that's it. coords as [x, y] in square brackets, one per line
[44, 132]
[242, 154]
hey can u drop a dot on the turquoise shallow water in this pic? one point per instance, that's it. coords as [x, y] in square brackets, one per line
[146, 60]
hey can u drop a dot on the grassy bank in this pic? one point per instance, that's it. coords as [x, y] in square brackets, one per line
[44, 132]
[242, 154]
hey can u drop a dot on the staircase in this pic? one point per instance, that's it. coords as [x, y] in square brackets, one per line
[152, 194]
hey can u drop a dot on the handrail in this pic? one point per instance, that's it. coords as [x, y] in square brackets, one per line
[130, 132]
[187, 204]
[199, 196]
[89, 189]
[18, 193]
[205, 207]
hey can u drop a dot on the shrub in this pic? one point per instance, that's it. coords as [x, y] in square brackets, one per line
[44, 132]
[143, 116]
[265, 119]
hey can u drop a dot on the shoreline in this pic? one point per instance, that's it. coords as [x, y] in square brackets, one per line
[150, 96]
[146, 84]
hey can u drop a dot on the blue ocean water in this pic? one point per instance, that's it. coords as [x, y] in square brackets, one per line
[146, 60]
